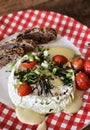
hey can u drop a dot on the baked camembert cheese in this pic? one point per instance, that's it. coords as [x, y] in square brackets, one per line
[39, 83]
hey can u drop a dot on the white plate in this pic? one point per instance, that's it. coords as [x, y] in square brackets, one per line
[4, 72]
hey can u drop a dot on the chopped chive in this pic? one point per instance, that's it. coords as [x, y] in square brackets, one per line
[47, 102]
[41, 102]
[58, 98]
[50, 110]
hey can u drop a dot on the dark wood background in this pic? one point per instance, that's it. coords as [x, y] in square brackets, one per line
[78, 9]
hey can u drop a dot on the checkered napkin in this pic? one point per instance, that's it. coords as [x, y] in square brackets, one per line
[77, 34]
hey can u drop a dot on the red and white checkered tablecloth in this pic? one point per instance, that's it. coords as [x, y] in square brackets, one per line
[78, 34]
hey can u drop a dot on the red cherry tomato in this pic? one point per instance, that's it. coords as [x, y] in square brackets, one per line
[29, 65]
[60, 59]
[24, 89]
[82, 81]
[87, 66]
[78, 63]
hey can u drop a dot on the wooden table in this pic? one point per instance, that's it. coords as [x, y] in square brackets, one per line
[78, 9]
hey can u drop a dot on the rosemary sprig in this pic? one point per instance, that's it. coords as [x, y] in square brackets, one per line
[45, 85]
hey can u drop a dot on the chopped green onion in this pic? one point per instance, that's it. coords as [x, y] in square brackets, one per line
[41, 48]
[37, 71]
[54, 70]
[37, 58]
[44, 64]
[11, 66]
[69, 75]
[31, 57]
[45, 53]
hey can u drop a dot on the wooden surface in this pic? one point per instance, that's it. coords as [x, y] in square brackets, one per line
[78, 9]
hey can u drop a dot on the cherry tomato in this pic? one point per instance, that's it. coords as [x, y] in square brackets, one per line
[82, 81]
[29, 65]
[87, 66]
[24, 89]
[78, 63]
[60, 59]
